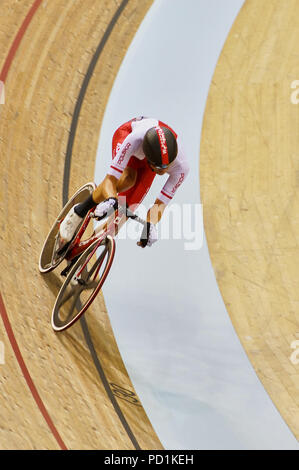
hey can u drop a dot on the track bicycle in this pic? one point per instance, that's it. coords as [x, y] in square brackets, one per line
[88, 260]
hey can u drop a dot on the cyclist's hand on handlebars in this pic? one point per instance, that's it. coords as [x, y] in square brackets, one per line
[149, 235]
[106, 207]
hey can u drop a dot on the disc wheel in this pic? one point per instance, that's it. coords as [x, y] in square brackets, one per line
[50, 257]
[82, 284]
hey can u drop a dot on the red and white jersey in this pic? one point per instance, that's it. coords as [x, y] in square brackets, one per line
[132, 147]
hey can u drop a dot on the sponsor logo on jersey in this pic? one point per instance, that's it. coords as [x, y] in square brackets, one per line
[123, 154]
[178, 183]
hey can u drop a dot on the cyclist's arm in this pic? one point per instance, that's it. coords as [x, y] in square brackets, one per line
[156, 211]
[124, 153]
[177, 175]
[108, 187]
[173, 182]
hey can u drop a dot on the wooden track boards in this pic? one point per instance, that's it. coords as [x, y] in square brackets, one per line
[41, 92]
[249, 189]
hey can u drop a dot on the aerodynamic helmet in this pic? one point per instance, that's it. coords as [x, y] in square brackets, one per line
[160, 147]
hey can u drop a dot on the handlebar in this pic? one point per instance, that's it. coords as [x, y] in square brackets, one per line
[127, 212]
[131, 215]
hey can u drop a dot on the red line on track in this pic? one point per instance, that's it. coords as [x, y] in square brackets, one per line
[10, 333]
[18, 39]
[26, 374]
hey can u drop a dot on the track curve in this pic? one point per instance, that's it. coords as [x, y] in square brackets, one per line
[51, 63]
[249, 190]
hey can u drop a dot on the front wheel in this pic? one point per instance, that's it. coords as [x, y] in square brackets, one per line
[50, 256]
[83, 283]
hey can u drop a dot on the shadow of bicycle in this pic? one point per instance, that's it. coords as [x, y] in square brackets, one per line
[54, 282]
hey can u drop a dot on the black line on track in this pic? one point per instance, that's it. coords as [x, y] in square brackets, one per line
[65, 197]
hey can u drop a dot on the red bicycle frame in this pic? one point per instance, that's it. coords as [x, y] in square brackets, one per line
[111, 227]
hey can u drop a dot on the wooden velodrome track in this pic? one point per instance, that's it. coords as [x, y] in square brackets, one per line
[70, 390]
[249, 167]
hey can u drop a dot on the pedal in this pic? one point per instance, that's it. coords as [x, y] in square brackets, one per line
[77, 281]
[67, 269]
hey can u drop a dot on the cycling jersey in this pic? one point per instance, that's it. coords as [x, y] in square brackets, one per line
[131, 146]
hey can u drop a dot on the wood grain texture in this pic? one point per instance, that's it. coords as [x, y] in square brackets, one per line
[249, 166]
[41, 91]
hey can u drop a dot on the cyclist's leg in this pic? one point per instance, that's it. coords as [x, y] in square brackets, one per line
[125, 182]
[127, 179]
[144, 179]
[105, 189]
[133, 184]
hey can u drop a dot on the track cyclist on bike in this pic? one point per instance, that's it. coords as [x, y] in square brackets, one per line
[141, 149]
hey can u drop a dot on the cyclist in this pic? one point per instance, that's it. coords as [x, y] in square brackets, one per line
[141, 148]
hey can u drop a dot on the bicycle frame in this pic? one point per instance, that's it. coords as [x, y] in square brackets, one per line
[84, 270]
[111, 227]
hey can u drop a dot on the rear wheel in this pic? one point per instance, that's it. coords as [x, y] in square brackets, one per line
[83, 283]
[50, 256]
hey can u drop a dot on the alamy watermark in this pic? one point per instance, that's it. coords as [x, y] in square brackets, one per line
[295, 93]
[2, 353]
[294, 358]
[179, 222]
